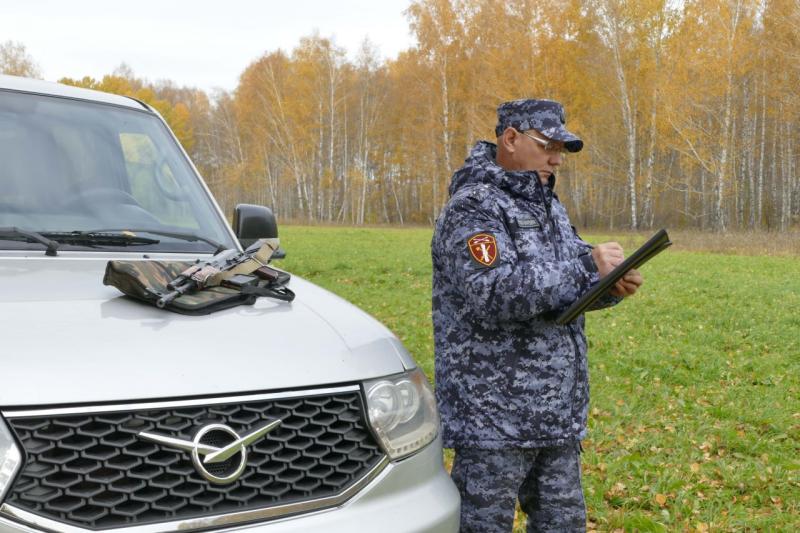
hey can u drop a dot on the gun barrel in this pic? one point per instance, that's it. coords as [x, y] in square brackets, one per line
[162, 302]
[176, 282]
[183, 276]
[180, 290]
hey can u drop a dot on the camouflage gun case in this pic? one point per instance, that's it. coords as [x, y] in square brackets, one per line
[147, 281]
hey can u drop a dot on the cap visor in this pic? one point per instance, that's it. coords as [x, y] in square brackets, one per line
[571, 142]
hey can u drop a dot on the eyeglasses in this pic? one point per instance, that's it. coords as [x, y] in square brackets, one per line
[551, 147]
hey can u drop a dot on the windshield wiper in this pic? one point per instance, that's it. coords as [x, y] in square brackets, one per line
[103, 237]
[13, 233]
[100, 238]
[191, 237]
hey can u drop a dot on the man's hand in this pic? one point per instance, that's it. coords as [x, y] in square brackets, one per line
[628, 284]
[607, 256]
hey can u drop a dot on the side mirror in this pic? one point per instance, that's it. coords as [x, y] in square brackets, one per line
[253, 222]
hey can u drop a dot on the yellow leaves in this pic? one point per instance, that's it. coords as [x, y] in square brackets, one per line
[615, 491]
[469, 55]
[660, 499]
[179, 120]
[695, 468]
[86, 82]
[177, 116]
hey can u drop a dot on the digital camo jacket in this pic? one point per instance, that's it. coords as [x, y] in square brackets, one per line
[505, 261]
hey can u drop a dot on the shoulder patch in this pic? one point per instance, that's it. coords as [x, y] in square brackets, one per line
[483, 249]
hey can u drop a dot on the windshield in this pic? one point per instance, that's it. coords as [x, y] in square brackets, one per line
[75, 166]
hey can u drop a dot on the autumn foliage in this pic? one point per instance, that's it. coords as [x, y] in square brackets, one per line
[689, 111]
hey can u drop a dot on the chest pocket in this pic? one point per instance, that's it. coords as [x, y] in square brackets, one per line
[531, 236]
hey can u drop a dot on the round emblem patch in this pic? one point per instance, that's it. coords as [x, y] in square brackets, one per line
[483, 248]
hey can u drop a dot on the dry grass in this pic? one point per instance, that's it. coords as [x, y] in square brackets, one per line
[759, 243]
[739, 243]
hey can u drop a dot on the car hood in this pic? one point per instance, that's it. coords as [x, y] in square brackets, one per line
[67, 338]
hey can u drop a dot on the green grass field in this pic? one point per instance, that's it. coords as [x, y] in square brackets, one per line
[695, 408]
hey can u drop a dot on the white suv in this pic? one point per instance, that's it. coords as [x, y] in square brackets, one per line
[115, 415]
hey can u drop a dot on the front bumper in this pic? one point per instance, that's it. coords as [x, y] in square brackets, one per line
[412, 495]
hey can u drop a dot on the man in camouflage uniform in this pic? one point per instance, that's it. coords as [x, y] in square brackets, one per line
[512, 385]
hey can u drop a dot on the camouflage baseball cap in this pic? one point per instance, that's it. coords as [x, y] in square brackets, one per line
[545, 116]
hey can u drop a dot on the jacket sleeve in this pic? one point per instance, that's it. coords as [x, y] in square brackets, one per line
[510, 289]
[607, 300]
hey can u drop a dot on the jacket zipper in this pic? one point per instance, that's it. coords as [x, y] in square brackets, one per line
[550, 220]
[573, 416]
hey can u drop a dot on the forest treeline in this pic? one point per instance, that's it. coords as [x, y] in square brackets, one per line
[689, 111]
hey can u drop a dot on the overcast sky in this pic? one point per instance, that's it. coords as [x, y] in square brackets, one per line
[200, 43]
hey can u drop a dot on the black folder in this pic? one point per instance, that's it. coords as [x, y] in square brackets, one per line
[657, 243]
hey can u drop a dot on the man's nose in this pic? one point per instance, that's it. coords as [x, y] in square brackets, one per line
[556, 159]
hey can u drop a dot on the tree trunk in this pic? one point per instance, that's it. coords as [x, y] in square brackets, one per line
[647, 216]
[703, 200]
[611, 31]
[786, 199]
[446, 136]
[738, 186]
[762, 153]
[719, 187]
[773, 170]
[750, 142]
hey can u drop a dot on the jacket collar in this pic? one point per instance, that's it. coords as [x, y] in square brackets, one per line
[481, 166]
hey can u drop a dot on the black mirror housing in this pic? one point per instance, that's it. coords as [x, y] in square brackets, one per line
[253, 222]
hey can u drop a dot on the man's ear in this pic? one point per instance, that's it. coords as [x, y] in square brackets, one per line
[507, 139]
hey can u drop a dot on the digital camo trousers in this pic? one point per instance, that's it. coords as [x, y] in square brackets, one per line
[547, 482]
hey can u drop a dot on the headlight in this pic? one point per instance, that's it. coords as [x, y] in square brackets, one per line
[10, 459]
[402, 411]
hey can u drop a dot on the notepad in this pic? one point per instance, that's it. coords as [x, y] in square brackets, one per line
[655, 245]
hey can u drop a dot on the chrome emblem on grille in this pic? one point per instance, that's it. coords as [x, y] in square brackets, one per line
[219, 445]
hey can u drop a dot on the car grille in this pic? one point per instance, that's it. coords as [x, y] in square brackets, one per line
[94, 471]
